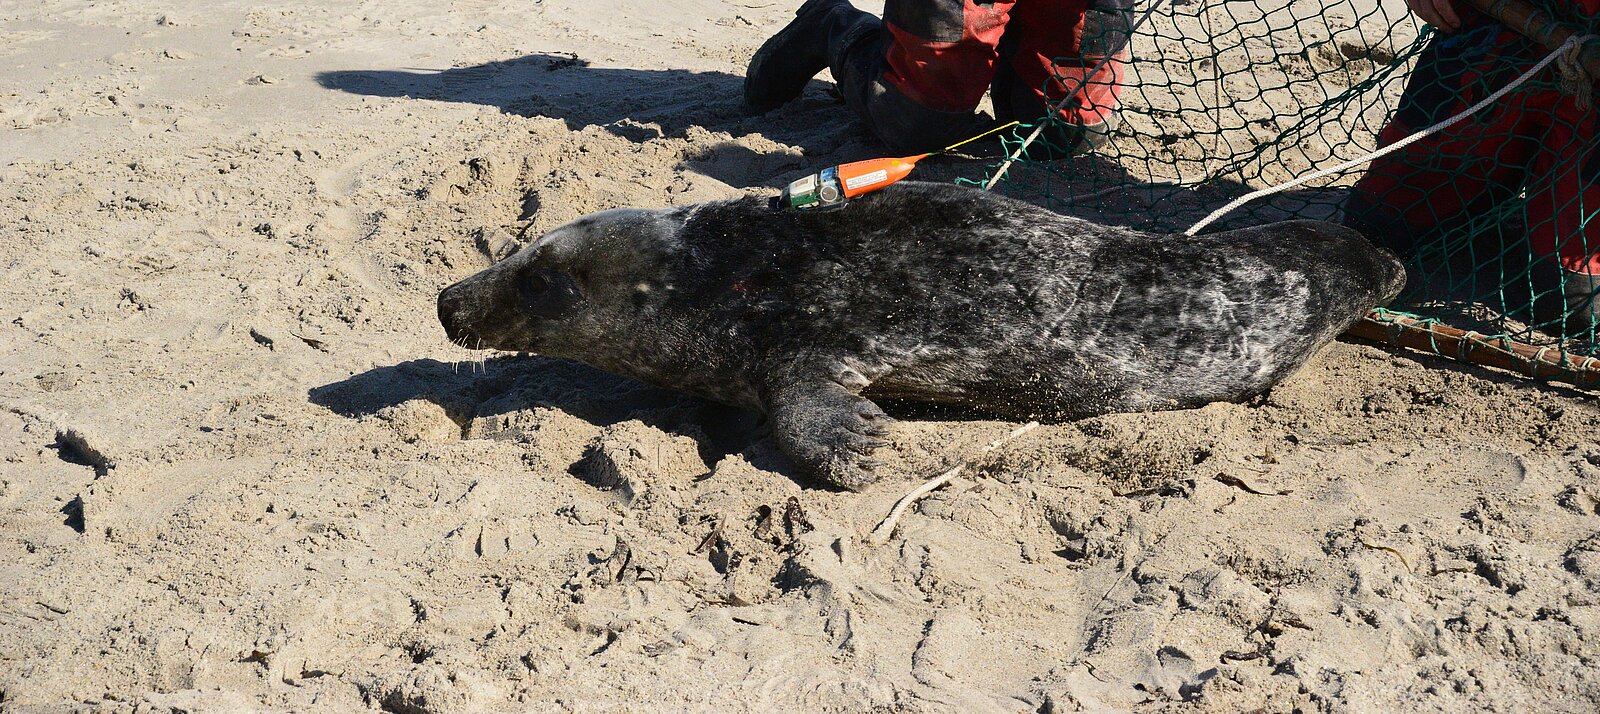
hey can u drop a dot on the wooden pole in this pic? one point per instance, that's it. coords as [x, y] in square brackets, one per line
[1539, 26]
[1477, 348]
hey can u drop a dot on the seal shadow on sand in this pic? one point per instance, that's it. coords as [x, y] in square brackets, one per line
[469, 391]
[498, 386]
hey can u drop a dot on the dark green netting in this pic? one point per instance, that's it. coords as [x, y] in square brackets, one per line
[1222, 97]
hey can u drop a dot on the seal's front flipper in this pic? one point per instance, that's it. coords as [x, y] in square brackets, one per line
[828, 431]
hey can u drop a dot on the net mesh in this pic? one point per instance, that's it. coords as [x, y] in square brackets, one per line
[1222, 97]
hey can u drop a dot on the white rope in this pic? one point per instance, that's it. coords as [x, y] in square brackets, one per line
[880, 535]
[1110, 56]
[1574, 41]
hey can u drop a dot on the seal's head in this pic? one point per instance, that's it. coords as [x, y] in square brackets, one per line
[569, 289]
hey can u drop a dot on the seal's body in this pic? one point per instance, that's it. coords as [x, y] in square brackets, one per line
[922, 292]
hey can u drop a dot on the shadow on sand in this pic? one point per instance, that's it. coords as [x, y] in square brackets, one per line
[470, 392]
[637, 105]
[567, 88]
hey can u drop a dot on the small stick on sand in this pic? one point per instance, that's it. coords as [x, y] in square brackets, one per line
[880, 535]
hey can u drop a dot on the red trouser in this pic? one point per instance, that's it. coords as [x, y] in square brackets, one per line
[1535, 139]
[943, 53]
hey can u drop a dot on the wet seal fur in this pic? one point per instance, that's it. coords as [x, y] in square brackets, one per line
[922, 292]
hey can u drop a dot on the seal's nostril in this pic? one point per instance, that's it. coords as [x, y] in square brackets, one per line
[448, 318]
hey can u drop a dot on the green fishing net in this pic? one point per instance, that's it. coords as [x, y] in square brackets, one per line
[1223, 97]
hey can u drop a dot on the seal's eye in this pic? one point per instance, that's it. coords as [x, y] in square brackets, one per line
[536, 284]
[546, 293]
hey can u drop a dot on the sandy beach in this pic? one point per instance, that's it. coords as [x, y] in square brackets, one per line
[242, 469]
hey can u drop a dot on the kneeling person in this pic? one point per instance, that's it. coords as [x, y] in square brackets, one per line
[917, 75]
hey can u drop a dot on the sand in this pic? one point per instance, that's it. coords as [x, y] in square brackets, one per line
[242, 470]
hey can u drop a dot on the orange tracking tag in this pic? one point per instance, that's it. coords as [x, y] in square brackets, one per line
[862, 176]
[830, 187]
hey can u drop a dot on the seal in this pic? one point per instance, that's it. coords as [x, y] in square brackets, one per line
[921, 292]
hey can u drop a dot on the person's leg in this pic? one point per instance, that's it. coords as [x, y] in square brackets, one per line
[1563, 211]
[786, 62]
[919, 81]
[1413, 197]
[1050, 48]
[915, 77]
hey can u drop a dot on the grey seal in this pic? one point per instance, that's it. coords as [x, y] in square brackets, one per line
[921, 292]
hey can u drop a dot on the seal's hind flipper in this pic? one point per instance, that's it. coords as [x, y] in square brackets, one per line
[828, 431]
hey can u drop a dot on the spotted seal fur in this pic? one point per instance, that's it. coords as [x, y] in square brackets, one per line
[921, 292]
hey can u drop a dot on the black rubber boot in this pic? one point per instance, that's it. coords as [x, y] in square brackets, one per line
[1581, 293]
[820, 31]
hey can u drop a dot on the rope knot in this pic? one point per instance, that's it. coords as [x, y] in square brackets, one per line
[1575, 80]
